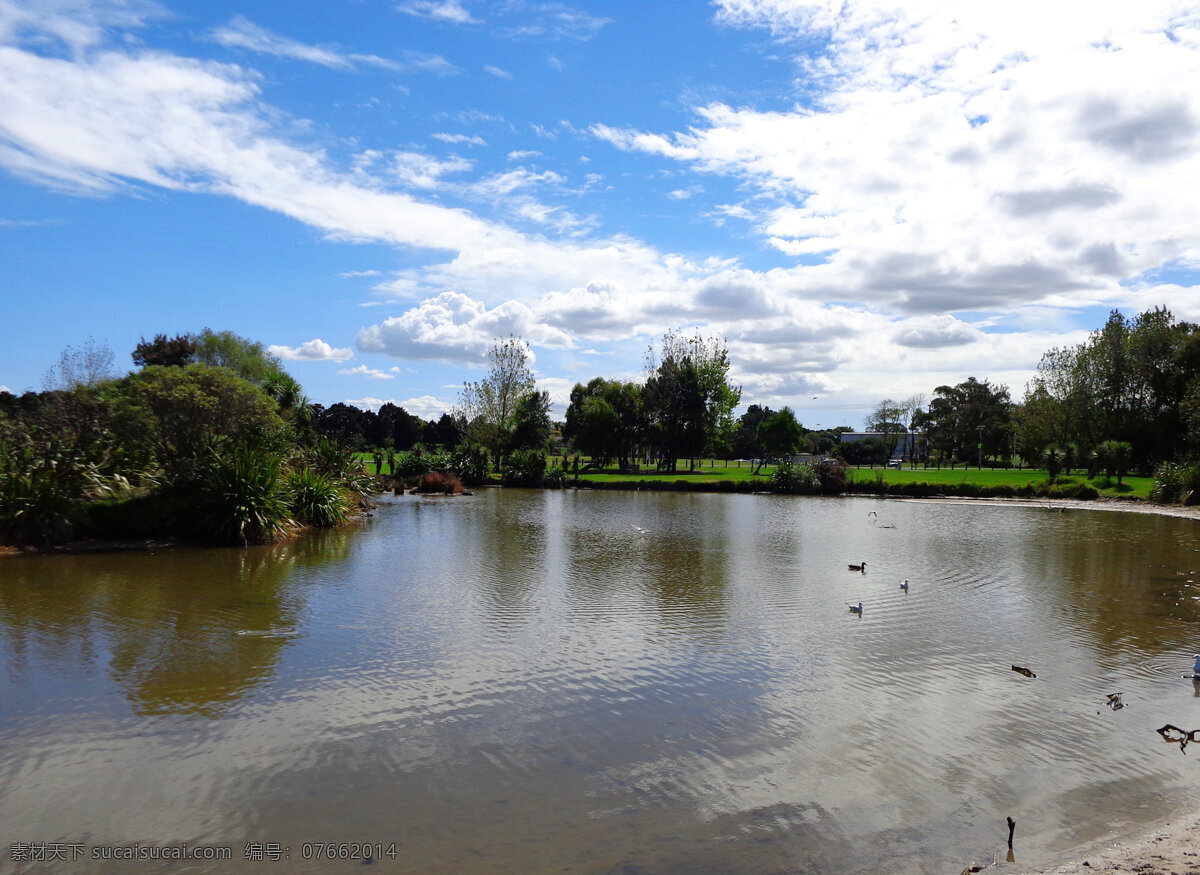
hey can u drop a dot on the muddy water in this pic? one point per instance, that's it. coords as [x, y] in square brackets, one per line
[525, 681]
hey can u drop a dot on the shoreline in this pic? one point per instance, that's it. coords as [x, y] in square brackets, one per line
[1170, 848]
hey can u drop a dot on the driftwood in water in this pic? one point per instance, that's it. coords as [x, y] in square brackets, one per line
[1012, 824]
[1019, 670]
[1173, 733]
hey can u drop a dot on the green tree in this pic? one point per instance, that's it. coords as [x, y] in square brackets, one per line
[531, 423]
[688, 398]
[248, 359]
[958, 415]
[174, 351]
[606, 421]
[779, 435]
[486, 409]
[182, 413]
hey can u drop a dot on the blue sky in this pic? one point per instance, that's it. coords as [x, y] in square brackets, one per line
[865, 201]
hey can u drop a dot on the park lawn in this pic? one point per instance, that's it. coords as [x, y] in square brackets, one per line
[706, 470]
[1137, 487]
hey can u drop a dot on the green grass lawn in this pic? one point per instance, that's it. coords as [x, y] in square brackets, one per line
[718, 469]
[1135, 487]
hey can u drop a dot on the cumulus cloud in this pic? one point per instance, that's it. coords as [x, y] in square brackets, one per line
[964, 162]
[364, 371]
[312, 351]
[455, 327]
[424, 406]
[934, 331]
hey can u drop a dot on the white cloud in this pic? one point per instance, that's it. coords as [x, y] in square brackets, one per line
[425, 406]
[522, 154]
[451, 11]
[244, 34]
[498, 72]
[348, 274]
[460, 139]
[5, 389]
[552, 21]
[964, 161]
[455, 327]
[423, 171]
[364, 371]
[312, 351]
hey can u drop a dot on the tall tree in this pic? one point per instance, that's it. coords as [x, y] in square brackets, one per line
[960, 416]
[689, 399]
[84, 365]
[779, 435]
[486, 409]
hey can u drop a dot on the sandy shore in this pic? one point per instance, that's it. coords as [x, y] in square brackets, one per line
[1172, 849]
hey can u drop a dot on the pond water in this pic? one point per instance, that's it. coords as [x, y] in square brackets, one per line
[608, 681]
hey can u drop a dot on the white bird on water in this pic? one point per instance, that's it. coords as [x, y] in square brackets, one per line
[856, 609]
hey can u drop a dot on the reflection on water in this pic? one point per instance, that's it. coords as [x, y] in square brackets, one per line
[598, 681]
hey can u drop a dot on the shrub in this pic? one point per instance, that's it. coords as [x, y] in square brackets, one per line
[556, 478]
[832, 478]
[440, 482]
[469, 461]
[791, 479]
[410, 466]
[315, 499]
[524, 468]
[1176, 484]
[238, 496]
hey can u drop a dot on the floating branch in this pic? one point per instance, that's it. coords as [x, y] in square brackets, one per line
[1175, 734]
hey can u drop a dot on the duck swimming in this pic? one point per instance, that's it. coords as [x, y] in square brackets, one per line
[862, 567]
[904, 585]
[856, 609]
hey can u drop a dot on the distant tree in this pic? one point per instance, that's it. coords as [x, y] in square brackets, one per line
[889, 418]
[531, 423]
[345, 424]
[745, 441]
[868, 451]
[689, 400]
[959, 414]
[174, 351]
[442, 433]
[85, 365]
[486, 409]
[606, 421]
[779, 435]
[248, 359]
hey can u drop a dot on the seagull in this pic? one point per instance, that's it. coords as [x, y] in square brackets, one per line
[904, 585]
[856, 609]
[862, 567]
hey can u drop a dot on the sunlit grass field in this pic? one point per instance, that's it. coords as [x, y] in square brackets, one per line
[742, 473]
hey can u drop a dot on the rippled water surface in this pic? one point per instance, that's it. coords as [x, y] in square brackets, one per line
[527, 681]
